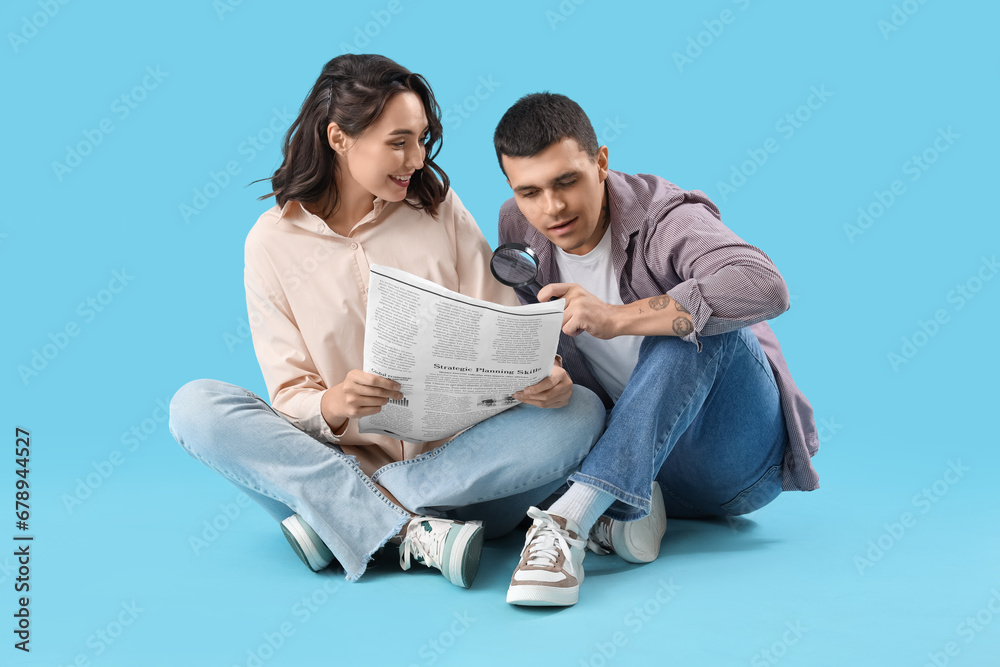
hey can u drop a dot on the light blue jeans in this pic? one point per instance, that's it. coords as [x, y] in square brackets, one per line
[494, 471]
[708, 426]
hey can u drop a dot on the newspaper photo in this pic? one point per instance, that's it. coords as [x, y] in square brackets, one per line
[458, 359]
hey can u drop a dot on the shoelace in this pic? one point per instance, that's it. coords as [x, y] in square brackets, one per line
[548, 540]
[425, 546]
[600, 538]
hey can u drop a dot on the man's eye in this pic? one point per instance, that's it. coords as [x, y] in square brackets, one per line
[528, 194]
[567, 184]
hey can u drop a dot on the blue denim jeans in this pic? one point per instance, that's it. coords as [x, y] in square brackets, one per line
[494, 471]
[708, 426]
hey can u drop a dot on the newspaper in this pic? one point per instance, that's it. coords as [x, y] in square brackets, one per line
[458, 359]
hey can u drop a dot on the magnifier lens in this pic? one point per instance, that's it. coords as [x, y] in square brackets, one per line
[514, 267]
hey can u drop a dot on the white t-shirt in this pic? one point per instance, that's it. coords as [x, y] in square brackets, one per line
[611, 361]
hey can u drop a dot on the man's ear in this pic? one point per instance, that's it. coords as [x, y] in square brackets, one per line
[339, 141]
[602, 163]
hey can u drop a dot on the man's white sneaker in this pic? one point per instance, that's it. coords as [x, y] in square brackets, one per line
[307, 544]
[454, 547]
[551, 568]
[635, 541]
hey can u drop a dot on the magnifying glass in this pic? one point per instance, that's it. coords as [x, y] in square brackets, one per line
[516, 265]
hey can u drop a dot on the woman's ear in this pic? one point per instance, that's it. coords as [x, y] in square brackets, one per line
[339, 141]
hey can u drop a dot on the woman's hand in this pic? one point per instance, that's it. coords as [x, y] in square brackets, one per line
[359, 395]
[552, 392]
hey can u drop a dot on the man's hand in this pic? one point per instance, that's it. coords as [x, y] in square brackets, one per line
[584, 311]
[359, 395]
[656, 316]
[552, 392]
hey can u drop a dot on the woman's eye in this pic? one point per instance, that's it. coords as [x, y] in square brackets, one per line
[399, 144]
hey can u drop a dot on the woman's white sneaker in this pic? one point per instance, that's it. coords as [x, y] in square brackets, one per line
[551, 567]
[307, 544]
[454, 547]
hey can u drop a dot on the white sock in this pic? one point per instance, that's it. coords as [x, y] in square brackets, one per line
[584, 504]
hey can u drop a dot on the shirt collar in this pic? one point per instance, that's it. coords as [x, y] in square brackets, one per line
[295, 213]
[622, 205]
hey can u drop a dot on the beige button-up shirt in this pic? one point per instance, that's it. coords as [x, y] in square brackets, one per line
[307, 297]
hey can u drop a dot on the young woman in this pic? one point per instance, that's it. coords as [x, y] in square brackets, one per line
[359, 186]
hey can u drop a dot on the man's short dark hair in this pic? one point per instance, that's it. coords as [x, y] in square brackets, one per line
[539, 120]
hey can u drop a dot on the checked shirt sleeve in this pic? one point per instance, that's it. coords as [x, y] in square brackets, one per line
[726, 283]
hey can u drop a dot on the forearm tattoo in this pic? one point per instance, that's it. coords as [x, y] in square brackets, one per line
[659, 302]
[683, 326]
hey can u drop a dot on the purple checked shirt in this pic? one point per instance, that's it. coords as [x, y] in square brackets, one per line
[671, 241]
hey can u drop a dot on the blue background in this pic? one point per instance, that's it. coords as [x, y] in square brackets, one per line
[885, 565]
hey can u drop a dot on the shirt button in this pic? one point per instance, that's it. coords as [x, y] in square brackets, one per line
[354, 246]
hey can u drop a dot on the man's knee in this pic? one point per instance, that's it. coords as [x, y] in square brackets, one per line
[656, 348]
[672, 346]
[664, 358]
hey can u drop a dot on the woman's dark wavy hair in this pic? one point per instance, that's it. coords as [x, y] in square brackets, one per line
[352, 91]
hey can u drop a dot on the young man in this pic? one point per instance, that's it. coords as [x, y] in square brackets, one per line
[665, 310]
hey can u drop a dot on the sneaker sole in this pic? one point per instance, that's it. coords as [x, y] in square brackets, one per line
[463, 549]
[303, 545]
[632, 540]
[543, 596]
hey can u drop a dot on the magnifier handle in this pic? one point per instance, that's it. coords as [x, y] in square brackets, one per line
[533, 287]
